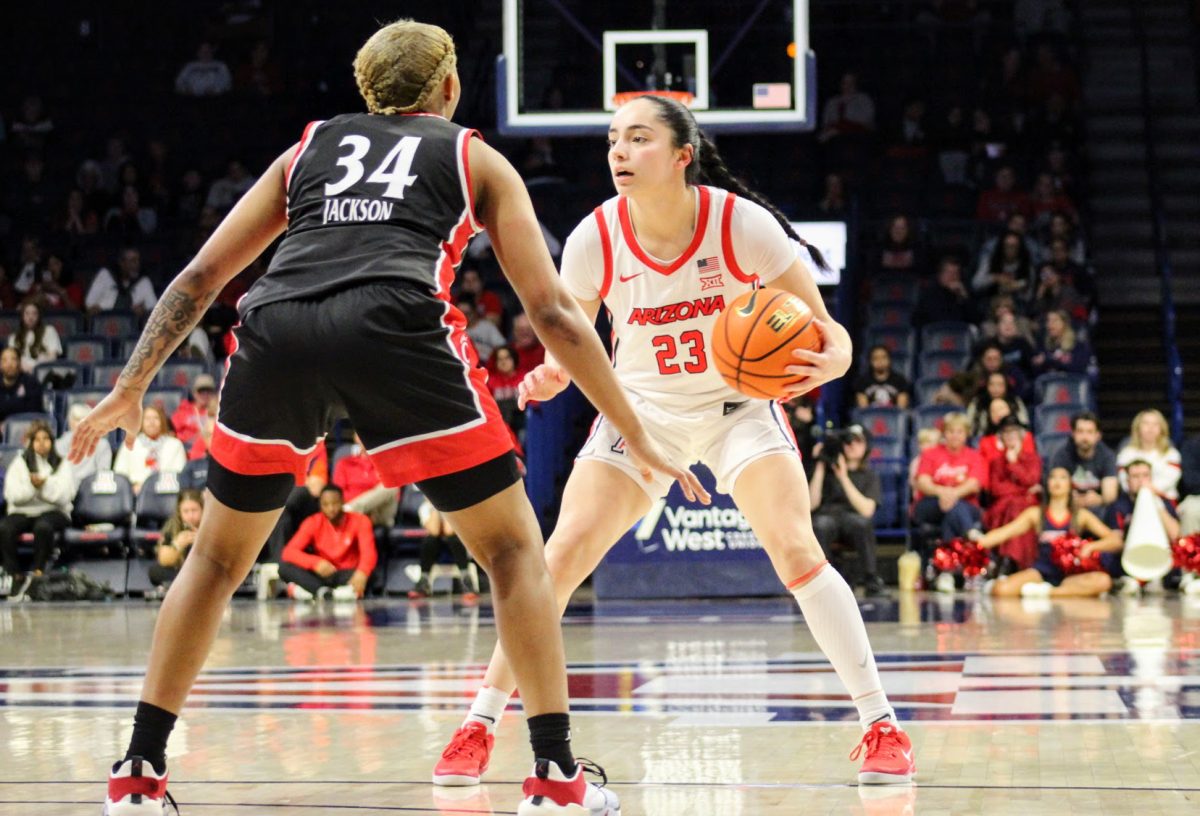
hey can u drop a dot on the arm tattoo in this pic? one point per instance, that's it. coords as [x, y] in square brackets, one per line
[175, 315]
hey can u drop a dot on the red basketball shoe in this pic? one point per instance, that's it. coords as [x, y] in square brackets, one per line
[134, 789]
[548, 792]
[889, 755]
[466, 757]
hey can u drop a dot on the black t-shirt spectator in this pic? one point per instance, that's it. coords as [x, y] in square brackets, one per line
[938, 304]
[1086, 474]
[882, 393]
[1018, 353]
[833, 497]
[23, 395]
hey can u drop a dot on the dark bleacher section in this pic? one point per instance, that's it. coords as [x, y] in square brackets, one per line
[958, 97]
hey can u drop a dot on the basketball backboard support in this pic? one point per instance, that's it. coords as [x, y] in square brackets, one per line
[563, 63]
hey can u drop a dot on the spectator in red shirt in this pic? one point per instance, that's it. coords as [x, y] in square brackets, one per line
[488, 304]
[950, 477]
[1047, 201]
[365, 492]
[1000, 202]
[530, 352]
[991, 445]
[333, 553]
[504, 376]
[1015, 483]
[303, 502]
[195, 419]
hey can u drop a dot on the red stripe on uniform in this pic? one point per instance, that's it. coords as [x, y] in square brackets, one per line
[304, 140]
[466, 164]
[636, 249]
[252, 457]
[727, 241]
[403, 462]
[606, 247]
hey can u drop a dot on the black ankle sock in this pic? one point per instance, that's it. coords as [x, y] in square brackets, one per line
[550, 735]
[151, 728]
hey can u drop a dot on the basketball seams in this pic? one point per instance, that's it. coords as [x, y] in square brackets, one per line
[750, 332]
[783, 343]
[742, 373]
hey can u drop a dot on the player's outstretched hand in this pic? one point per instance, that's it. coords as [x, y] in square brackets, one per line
[120, 409]
[543, 383]
[818, 367]
[647, 456]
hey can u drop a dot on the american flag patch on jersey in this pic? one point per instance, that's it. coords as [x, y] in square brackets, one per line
[712, 264]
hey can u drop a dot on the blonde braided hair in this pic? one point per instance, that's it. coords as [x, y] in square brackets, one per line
[399, 69]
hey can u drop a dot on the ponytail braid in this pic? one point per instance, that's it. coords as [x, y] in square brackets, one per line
[711, 168]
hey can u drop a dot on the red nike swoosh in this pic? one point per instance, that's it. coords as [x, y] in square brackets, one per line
[631, 277]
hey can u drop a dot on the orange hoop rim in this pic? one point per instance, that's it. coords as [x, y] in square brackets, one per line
[683, 97]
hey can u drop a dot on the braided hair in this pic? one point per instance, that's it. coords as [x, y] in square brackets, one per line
[707, 166]
[399, 69]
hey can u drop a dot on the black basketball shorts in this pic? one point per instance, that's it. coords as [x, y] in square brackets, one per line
[393, 358]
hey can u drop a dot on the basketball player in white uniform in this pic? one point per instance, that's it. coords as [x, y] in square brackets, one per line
[665, 256]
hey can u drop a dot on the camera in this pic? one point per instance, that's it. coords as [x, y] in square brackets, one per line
[833, 443]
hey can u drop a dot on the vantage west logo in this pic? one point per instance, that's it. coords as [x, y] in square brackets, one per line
[687, 529]
[674, 312]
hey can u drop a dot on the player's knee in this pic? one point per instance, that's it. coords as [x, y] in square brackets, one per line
[796, 544]
[222, 570]
[504, 556]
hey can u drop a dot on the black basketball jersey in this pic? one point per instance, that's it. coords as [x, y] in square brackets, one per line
[372, 198]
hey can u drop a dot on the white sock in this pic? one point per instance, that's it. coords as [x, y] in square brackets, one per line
[488, 707]
[836, 623]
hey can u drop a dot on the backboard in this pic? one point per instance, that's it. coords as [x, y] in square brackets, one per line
[744, 66]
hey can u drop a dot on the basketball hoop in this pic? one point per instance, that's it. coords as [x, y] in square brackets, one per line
[683, 97]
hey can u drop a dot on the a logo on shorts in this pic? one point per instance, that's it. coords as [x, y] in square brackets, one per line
[618, 446]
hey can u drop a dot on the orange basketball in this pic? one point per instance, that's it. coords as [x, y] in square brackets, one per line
[755, 336]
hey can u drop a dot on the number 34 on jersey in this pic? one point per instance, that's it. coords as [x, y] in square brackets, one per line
[393, 173]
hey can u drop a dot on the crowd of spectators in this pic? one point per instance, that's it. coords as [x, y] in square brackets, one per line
[977, 291]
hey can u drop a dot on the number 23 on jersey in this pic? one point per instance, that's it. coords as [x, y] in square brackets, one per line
[688, 351]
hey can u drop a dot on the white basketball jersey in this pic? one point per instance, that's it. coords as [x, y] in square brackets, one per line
[663, 312]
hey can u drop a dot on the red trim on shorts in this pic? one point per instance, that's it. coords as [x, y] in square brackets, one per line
[258, 458]
[808, 576]
[443, 455]
[252, 457]
[407, 462]
[410, 462]
[697, 237]
[606, 247]
[727, 241]
[304, 140]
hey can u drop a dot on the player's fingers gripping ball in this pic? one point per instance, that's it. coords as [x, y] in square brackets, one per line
[753, 341]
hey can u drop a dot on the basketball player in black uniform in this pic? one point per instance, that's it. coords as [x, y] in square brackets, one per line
[354, 317]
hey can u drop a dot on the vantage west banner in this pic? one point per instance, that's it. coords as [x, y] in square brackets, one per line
[686, 550]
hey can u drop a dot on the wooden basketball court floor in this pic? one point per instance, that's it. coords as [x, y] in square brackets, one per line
[1086, 707]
